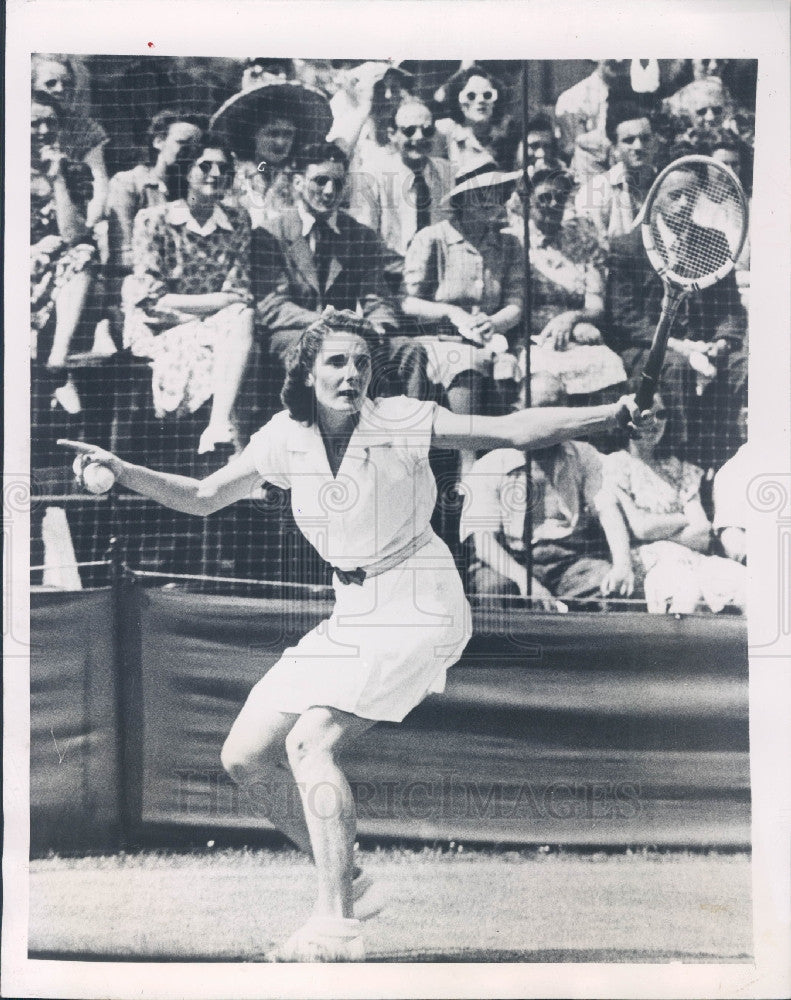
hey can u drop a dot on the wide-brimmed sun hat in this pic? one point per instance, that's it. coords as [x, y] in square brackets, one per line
[480, 172]
[248, 110]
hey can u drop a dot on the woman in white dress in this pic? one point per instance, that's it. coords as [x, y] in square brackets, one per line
[362, 492]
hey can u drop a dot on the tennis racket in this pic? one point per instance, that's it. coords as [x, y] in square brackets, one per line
[693, 225]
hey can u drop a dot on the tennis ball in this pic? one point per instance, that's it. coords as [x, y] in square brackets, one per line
[97, 478]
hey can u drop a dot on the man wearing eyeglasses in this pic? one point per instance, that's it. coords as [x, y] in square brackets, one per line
[612, 200]
[401, 192]
[331, 259]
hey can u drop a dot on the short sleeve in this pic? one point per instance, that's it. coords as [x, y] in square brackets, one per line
[406, 421]
[269, 452]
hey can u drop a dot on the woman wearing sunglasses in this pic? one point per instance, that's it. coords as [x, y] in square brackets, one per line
[659, 495]
[188, 301]
[476, 122]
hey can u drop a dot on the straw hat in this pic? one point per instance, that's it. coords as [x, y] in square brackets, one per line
[243, 113]
[480, 171]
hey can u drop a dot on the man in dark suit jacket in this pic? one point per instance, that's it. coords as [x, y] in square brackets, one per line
[710, 325]
[330, 258]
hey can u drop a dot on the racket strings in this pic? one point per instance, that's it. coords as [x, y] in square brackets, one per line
[697, 219]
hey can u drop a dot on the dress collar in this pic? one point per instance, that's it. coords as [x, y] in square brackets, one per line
[177, 213]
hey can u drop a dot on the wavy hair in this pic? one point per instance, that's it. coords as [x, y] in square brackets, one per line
[297, 396]
[459, 81]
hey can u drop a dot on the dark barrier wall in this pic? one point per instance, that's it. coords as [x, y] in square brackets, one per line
[607, 729]
[563, 729]
[74, 734]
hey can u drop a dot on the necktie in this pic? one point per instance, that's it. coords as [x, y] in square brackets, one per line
[422, 202]
[323, 252]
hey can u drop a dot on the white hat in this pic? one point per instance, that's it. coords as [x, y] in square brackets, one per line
[480, 171]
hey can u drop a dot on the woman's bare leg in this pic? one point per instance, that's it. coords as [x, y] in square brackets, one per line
[254, 755]
[69, 305]
[230, 363]
[330, 815]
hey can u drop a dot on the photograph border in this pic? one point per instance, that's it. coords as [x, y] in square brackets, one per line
[426, 29]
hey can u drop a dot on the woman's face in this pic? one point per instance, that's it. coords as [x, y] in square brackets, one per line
[208, 176]
[341, 373]
[701, 68]
[548, 203]
[43, 129]
[55, 79]
[274, 141]
[477, 100]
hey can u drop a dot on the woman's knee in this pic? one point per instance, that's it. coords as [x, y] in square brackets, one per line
[244, 759]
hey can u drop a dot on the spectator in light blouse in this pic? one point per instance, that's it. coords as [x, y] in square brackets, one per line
[463, 284]
[188, 302]
[567, 280]
[63, 258]
[659, 495]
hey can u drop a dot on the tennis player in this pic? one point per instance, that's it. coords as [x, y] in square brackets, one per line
[363, 493]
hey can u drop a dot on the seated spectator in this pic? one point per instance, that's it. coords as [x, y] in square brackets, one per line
[581, 116]
[730, 500]
[266, 127]
[476, 122]
[542, 145]
[330, 258]
[63, 257]
[612, 200]
[659, 495]
[404, 192]
[463, 286]
[566, 499]
[704, 378]
[188, 301]
[172, 136]
[567, 282]
[81, 138]
[728, 148]
[368, 96]
[705, 101]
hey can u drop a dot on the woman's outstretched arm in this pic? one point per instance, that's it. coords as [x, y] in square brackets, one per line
[235, 481]
[539, 427]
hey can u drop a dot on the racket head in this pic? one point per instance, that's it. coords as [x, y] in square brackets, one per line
[694, 222]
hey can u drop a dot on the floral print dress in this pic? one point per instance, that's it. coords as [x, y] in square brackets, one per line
[173, 254]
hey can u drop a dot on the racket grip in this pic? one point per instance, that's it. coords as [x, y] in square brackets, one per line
[646, 392]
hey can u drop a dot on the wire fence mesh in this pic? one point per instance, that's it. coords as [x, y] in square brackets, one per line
[579, 190]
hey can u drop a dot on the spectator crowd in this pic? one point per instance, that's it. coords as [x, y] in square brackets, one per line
[166, 297]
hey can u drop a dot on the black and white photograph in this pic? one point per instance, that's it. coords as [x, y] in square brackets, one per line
[396, 500]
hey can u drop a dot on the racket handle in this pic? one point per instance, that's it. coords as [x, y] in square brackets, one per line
[649, 380]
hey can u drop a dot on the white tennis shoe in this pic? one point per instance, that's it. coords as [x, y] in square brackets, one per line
[323, 939]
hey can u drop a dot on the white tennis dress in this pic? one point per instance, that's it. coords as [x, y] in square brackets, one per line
[389, 641]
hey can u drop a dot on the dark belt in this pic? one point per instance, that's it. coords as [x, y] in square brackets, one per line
[347, 576]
